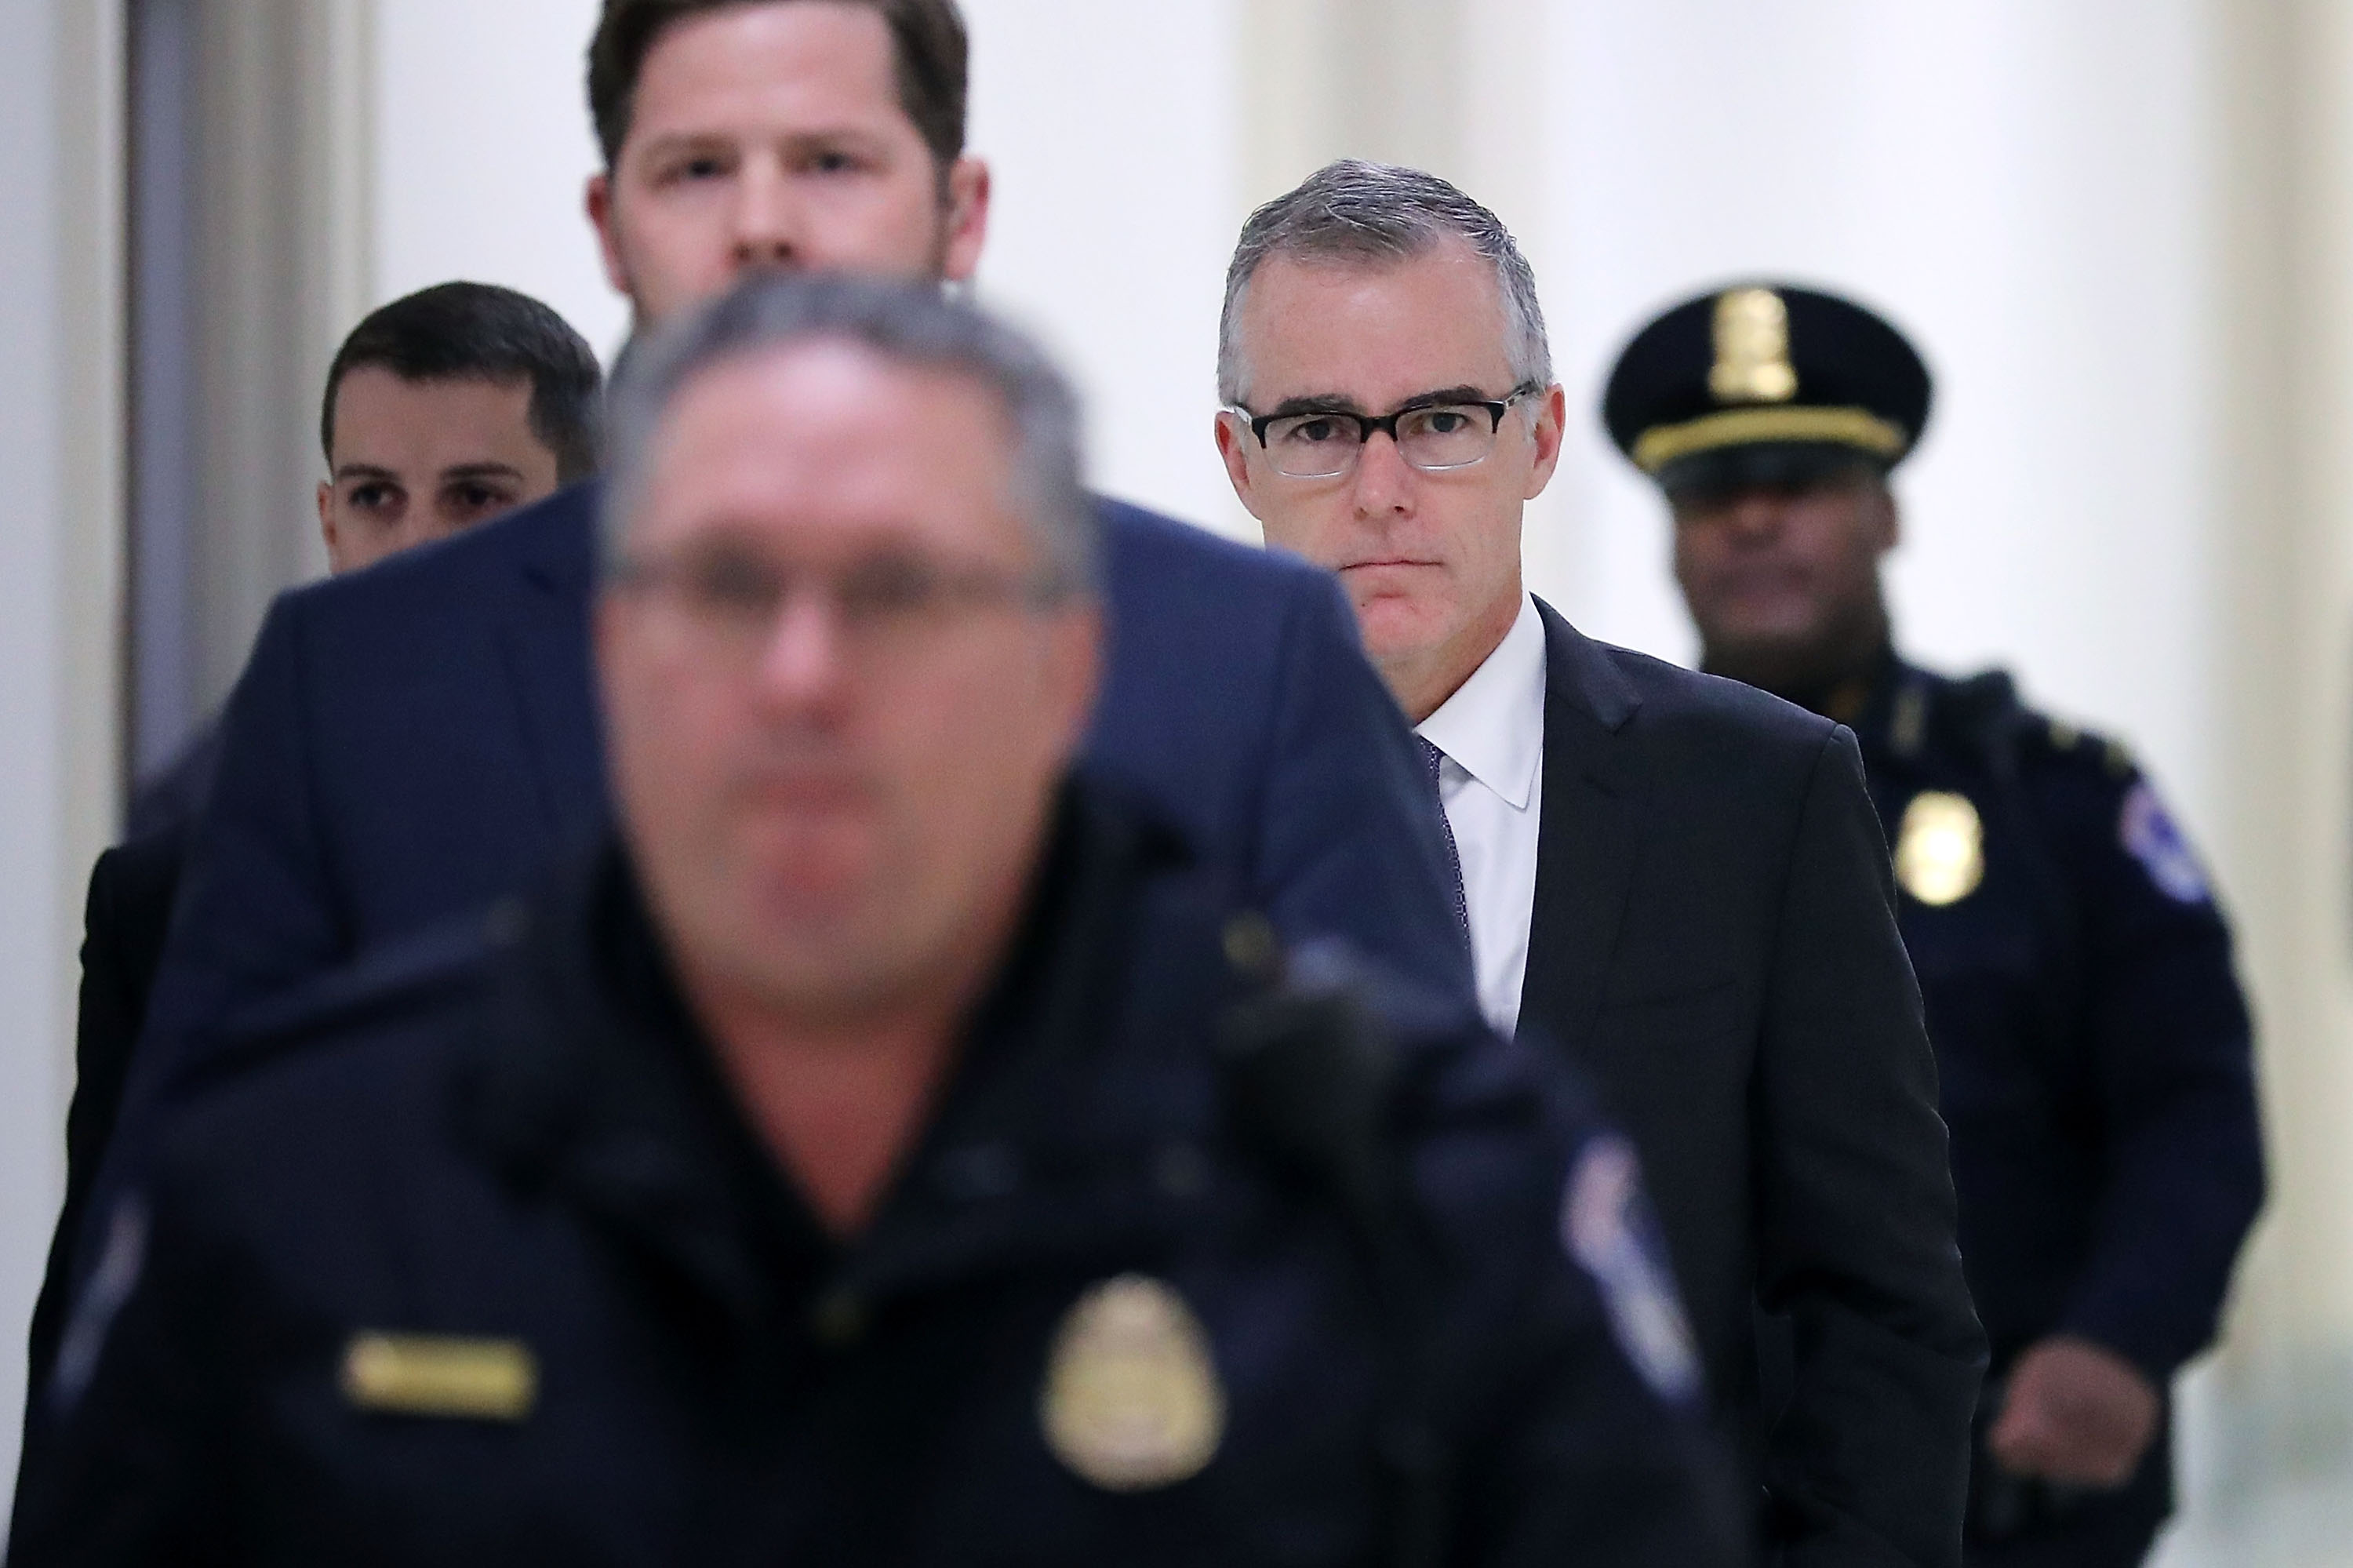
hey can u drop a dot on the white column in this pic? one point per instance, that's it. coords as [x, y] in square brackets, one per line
[2281, 307]
[281, 260]
[61, 526]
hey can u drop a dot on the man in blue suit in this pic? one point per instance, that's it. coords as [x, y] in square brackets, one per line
[411, 743]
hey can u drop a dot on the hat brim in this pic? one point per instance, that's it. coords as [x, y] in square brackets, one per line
[1764, 465]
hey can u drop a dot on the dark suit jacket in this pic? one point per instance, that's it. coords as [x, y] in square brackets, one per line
[1715, 940]
[413, 741]
[129, 909]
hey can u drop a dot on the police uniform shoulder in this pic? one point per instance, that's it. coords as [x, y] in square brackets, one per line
[399, 987]
[2062, 743]
[1969, 711]
[2093, 797]
[1981, 718]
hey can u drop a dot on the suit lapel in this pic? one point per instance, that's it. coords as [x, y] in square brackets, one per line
[544, 641]
[1591, 835]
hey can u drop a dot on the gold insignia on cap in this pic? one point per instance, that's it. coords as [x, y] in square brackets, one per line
[438, 1374]
[1131, 1399]
[1940, 849]
[1752, 348]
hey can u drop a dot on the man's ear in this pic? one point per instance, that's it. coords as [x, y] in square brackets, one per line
[1233, 449]
[598, 202]
[1891, 525]
[1548, 432]
[966, 229]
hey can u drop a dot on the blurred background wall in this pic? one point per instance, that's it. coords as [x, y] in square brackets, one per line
[61, 509]
[2121, 230]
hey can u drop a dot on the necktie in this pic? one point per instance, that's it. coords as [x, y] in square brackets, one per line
[1435, 761]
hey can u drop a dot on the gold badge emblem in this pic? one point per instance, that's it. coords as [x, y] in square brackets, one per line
[1752, 348]
[438, 1374]
[1940, 849]
[1131, 1399]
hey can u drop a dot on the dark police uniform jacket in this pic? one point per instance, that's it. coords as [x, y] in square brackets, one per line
[2092, 1039]
[528, 1160]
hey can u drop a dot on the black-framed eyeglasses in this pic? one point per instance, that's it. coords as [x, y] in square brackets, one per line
[1324, 443]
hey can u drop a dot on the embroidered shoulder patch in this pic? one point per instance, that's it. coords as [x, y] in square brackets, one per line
[1606, 1225]
[2151, 837]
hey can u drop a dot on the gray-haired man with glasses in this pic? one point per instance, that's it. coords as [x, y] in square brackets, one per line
[1675, 881]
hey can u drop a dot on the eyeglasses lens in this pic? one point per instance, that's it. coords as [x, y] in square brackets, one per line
[1325, 446]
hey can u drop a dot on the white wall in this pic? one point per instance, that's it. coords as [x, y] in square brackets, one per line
[1114, 132]
[30, 936]
[2020, 186]
[483, 147]
[59, 523]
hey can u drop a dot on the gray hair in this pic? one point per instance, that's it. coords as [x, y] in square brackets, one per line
[913, 323]
[1357, 211]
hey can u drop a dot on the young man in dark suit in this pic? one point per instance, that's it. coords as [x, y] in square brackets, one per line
[1674, 879]
[413, 744]
[443, 409]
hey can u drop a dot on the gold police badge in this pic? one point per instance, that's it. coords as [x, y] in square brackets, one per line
[1131, 1399]
[1752, 348]
[1940, 849]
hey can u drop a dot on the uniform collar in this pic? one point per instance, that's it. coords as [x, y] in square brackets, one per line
[1492, 727]
[1893, 720]
[594, 1081]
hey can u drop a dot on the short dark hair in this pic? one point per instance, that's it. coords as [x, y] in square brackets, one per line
[928, 40]
[479, 331]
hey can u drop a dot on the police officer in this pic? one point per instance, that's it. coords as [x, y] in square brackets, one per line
[885, 1148]
[2092, 1039]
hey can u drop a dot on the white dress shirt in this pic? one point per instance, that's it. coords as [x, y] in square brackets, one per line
[1491, 783]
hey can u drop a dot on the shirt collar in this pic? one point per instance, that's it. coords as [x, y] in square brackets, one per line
[1492, 727]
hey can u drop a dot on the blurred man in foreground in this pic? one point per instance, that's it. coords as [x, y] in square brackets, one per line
[874, 1151]
[2093, 1047]
[1675, 881]
[442, 410]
